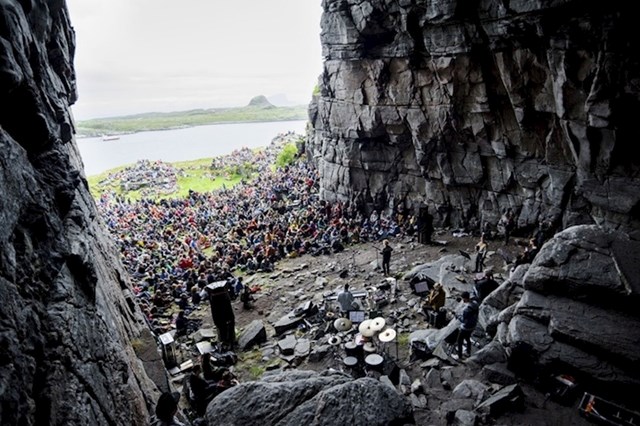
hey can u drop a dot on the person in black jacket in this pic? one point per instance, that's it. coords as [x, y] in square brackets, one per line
[485, 285]
[386, 257]
[166, 409]
[468, 321]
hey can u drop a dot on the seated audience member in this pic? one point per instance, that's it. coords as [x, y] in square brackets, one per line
[246, 298]
[201, 391]
[436, 298]
[529, 253]
[166, 409]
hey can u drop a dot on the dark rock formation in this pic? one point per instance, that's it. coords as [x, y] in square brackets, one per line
[304, 397]
[472, 107]
[578, 314]
[254, 334]
[66, 329]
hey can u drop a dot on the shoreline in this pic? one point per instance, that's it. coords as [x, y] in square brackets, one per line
[78, 136]
[117, 133]
[184, 144]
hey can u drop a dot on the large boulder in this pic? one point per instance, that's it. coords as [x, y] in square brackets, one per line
[578, 312]
[304, 397]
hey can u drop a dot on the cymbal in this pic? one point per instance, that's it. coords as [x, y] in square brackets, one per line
[378, 323]
[369, 347]
[334, 340]
[365, 329]
[364, 325]
[388, 335]
[342, 324]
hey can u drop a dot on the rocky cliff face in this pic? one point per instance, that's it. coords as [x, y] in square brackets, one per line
[65, 326]
[472, 107]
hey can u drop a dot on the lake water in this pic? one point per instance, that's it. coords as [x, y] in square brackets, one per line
[180, 144]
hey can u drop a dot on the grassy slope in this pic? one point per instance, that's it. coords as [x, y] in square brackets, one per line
[172, 120]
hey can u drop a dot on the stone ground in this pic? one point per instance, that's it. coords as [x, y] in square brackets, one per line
[298, 280]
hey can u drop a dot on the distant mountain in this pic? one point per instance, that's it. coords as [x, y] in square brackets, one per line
[261, 101]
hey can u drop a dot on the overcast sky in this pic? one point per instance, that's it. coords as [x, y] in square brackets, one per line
[159, 55]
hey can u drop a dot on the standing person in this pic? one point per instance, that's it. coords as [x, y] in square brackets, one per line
[425, 226]
[346, 300]
[481, 252]
[166, 409]
[386, 257]
[239, 286]
[542, 232]
[507, 222]
[468, 321]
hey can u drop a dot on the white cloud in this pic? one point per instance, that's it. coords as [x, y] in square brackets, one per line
[160, 55]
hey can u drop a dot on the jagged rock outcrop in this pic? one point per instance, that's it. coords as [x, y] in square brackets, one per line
[65, 326]
[310, 398]
[578, 313]
[472, 107]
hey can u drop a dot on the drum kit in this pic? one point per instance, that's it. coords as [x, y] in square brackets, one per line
[371, 337]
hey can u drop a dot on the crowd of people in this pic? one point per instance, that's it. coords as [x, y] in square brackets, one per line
[173, 248]
[152, 178]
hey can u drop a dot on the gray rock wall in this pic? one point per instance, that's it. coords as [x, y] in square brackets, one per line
[472, 107]
[65, 327]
